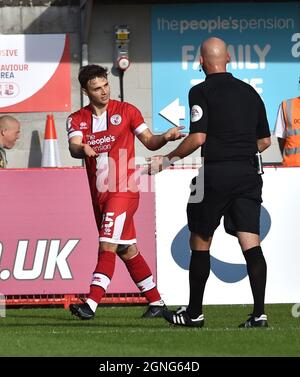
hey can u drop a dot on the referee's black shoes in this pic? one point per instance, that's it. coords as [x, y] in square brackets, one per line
[253, 321]
[180, 317]
[82, 311]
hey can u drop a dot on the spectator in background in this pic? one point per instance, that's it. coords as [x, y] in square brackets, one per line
[9, 134]
[228, 118]
[287, 130]
[103, 133]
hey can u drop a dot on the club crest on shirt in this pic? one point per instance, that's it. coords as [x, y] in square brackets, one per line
[196, 113]
[115, 119]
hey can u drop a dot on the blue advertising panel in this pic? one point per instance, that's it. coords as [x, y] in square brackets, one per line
[263, 40]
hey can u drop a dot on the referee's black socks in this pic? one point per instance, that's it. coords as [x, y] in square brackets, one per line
[257, 272]
[198, 275]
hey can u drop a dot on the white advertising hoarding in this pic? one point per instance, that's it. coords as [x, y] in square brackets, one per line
[228, 281]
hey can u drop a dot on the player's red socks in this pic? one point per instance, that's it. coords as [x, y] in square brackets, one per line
[102, 275]
[142, 276]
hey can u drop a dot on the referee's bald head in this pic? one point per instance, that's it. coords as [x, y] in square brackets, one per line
[214, 55]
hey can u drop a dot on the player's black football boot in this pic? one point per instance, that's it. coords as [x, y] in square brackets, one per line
[82, 311]
[154, 311]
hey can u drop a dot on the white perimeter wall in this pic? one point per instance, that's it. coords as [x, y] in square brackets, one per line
[281, 245]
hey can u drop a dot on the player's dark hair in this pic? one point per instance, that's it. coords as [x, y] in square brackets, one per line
[90, 72]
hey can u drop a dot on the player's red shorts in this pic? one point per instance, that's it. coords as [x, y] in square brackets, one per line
[114, 219]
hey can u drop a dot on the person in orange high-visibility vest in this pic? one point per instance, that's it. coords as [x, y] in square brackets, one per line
[287, 130]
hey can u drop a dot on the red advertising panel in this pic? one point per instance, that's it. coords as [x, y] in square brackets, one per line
[48, 236]
[35, 73]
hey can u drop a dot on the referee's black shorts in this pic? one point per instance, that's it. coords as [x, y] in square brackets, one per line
[231, 189]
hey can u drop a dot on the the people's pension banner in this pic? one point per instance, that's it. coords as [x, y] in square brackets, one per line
[263, 42]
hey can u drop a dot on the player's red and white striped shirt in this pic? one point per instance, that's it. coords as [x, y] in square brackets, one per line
[111, 135]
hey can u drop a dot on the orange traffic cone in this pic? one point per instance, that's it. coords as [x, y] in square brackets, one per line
[50, 157]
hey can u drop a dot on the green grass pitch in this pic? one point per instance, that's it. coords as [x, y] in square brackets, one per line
[120, 332]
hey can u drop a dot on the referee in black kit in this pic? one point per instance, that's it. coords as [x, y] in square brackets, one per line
[228, 118]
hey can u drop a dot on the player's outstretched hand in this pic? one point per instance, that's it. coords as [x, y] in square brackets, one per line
[174, 133]
[156, 164]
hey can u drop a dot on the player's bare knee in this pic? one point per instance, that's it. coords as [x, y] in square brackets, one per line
[126, 252]
[107, 246]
